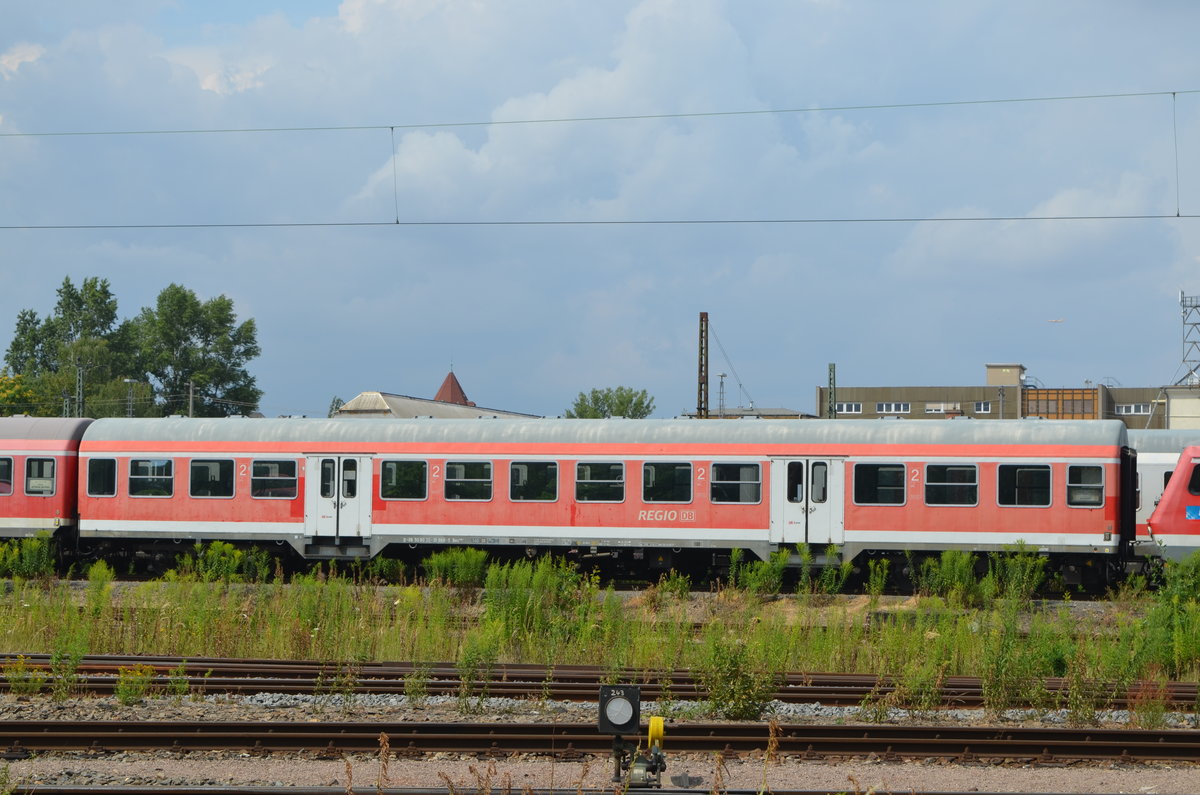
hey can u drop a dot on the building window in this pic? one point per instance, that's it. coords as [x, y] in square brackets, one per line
[983, 407]
[1023, 484]
[102, 477]
[951, 484]
[879, 484]
[600, 482]
[273, 479]
[151, 477]
[535, 481]
[1133, 408]
[666, 482]
[1085, 486]
[403, 480]
[210, 478]
[468, 480]
[943, 408]
[6, 476]
[848, 408]
[892, 408]
[736, 483]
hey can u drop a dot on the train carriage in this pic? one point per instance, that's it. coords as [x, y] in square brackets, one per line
[648, 492]
[1157, 454]
[37, 474]
[1175, 522]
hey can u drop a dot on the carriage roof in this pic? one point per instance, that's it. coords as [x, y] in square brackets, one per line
[611, 431]
[44, 428]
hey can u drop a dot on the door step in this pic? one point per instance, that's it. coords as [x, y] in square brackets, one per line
[337, 552]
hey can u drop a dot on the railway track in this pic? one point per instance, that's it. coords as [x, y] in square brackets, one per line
[99, 675]
[458, 790]
[574, 740]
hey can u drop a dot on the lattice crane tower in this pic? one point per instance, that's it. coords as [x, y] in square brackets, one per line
[1190, 308]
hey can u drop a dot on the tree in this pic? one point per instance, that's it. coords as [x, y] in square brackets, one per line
[196, 353]
[620, 401]
[15, 396]
[78, 350]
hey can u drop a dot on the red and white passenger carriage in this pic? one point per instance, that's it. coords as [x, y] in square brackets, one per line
[643, 493]
[37, 474]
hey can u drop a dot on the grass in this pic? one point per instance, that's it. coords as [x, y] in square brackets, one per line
[547, 611]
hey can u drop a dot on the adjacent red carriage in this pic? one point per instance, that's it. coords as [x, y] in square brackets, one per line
[38, 470]
[1175, 523]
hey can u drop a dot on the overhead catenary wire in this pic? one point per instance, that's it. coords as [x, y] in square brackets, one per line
[614, 117]
[732, 369]
[397, 221]
[627, 222]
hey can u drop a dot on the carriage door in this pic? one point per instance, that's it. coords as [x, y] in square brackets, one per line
[807, 501]
[340, 504]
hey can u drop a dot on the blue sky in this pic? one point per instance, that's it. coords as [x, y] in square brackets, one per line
[890, 114]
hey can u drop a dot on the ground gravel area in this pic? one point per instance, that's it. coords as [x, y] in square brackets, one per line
[470, 774]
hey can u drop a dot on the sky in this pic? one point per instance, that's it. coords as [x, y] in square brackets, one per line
[543, 196]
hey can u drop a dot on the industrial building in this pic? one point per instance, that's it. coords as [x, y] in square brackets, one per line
[1006, 393]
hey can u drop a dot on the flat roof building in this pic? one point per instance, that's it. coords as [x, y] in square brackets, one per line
[1006, 394]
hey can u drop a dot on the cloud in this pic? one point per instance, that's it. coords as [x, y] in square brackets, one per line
[569, 307]
[216, 73]
[939, 249]
[17, 55]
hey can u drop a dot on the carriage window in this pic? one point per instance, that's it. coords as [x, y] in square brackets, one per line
[468, 480]
[151, 477]
[1023, 484]
[402, 480]
[101, 477]
[820, 482]
[795, 481]
[736, 483]
[600, 482]
[6, 476]
[328, 478]
[533, 481]
[666, 482]
[1194, 481]
[951, 484]
[879, 484]
[210, 478]
[349, 478]
[39, 476]
[1085, 486]
[273, 479]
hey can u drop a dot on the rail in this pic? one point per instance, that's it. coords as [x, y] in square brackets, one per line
[99, 675]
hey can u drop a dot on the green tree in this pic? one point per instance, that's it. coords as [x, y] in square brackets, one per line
[77, 352]
[621, 401]
[193, 349]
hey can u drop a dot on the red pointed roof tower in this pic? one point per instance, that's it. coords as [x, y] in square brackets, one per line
[452, 392]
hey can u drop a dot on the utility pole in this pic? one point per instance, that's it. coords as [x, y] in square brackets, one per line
[191, 398]
[129, 398]
[702, 375]
[78, 389]
[831, 393]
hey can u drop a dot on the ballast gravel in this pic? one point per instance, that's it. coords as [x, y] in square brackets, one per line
[468, 774]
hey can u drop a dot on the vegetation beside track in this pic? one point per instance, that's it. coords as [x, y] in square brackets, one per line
[738, 638]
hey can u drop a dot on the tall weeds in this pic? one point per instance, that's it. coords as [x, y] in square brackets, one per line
[551, 613]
